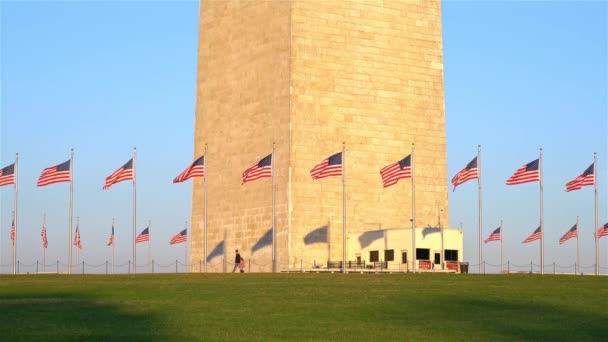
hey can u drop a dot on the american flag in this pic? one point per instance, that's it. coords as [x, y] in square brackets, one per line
[495, 236]
[45, 241]
[261, 169]
[469, 172]
[572, 232]
[331, 166]
[525, 174]
[535, 236]
[111, 242]
[602, 231]
[196, 169]
[179, 237]
[143, 236]
[124, 173]
[584, 179]
[55, 174]
[13, 231]
[392, 173]
[77, 241]
[7, 175]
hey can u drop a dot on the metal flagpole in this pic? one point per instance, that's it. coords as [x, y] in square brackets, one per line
[501, 243]
[343, 207]
[481, 264]
[71, 210]
[13, 242]
[597, 253]
[43, 249]
[413, 212]
[149, 242]
[274, 218]
[77, 249]
[205, 204]
[186, 248]
[134, 214]
[542, 223]
[16, 212]
[113, 243]
[578, 256]
[442, 257]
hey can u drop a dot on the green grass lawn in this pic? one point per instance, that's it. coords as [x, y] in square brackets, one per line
[303, 307]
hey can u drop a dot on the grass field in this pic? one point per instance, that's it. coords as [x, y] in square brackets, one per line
[303, 307]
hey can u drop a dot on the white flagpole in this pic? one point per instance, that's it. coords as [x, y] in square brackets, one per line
[13, 243]
[134, 213]
[16, 212]
[113, 243]
[274, 218]
[597, 253]
[413, 212]
[501, 243]
[77, 249]
[480, 215]
[343, 207]
[149, 242]
[44, 249]
[71, 210]
[186, 248]
[542, 223]
[578, 256]
[205, 205]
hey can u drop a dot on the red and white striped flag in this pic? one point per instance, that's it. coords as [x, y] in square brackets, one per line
[572, 232]
[124, 173]
[13, 231]
[111, 242]
[535, 236]
[143, 236]
[196, 169]
[584, 179]
[469, 172]
[391, 174]
[77, 241]
[602, 231]
[55, 174]
[7, 175]
[261, 169]
[45, 241]
[331, 166]
[179, 237]
[495, 236]
[525, 174]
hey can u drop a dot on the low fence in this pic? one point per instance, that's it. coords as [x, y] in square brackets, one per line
[252, 265]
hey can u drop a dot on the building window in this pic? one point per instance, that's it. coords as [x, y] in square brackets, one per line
[423, 254]
[451, 255]
[389, 255]
[404, 257]
[373, 256]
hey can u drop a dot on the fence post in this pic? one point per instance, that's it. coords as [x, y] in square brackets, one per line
[36, 266]
[57, 266]
[250, 261]
[530, 267]
[129, 266]
[554, 267]
[575, 268]
[200, 266]
[484, 267]
[175, 265]
[17, 266]
[508, 266]
[106, 266]
[83, 267]
[301, 268]
[152, 265]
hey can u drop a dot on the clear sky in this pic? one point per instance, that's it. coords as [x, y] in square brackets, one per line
[103, 77]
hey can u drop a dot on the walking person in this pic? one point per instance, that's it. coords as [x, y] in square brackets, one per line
[242, 265]
[237, 260]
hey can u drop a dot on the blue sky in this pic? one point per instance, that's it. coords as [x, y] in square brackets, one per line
[103, 77]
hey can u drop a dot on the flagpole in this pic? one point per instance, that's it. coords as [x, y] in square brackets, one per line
[13, 242]
[597, 254]
[149, 242]
[77, 249]
[113, 242]
[71, 210]
[578, 256]
[274, 218]
[542, 223]
[343, 207]
[501, 243]
[186, 248]
[16, 212]
[413, 213]
[205, 205]
[134, 213]
[43, 248]
[479, 206]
